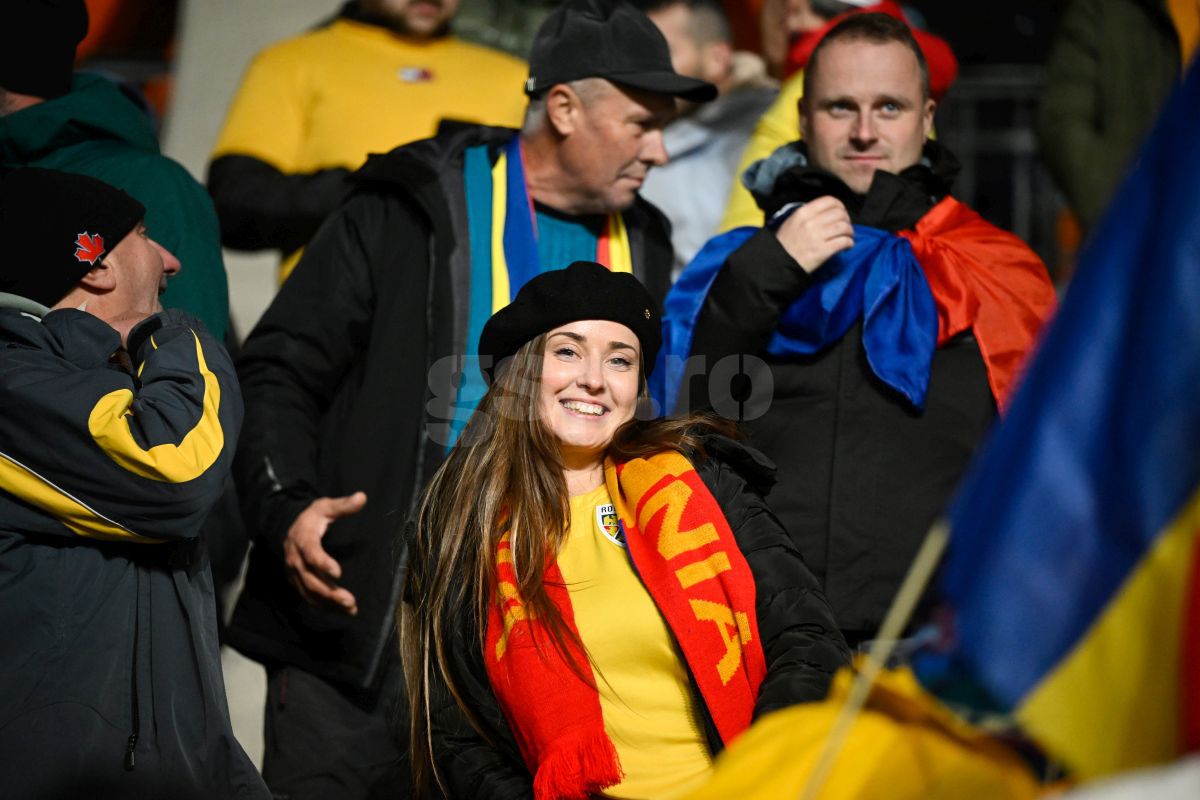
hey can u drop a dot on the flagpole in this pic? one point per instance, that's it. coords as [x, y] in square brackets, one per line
[897, 617]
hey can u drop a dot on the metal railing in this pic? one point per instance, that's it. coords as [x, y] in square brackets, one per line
[987, 121]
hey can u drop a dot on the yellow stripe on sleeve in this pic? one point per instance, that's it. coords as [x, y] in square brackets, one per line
[22, 482]
[191, 458]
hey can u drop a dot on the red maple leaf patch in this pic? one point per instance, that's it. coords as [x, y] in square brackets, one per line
[89, 247]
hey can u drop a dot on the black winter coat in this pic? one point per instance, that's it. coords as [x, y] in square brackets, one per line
[348, 386]
[862, 473]
[800, 641]
[110, 669]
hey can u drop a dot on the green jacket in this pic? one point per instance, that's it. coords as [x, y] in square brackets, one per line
[1112, 65]
[96, 130]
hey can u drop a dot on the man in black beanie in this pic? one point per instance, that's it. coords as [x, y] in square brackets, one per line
[119, 421]
[75, 122]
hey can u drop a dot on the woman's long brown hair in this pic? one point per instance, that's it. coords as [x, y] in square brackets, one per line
[505, 474]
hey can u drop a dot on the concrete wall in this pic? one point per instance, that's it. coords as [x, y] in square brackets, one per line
[215, 42]
[216, 39]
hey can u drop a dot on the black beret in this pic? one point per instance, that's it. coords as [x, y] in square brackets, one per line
[584, 290]
[55, 227]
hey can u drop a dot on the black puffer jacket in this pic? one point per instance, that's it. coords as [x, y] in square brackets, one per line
[800, 641]
[347, 382]
[110, 671]
[862, 473]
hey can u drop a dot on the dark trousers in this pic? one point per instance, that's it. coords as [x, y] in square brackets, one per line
[327, 741]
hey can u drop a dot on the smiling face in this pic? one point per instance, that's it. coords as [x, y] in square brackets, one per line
[865, 110]
[589, 388]
[615, 138]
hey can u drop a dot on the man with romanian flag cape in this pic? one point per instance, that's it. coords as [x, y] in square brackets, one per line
[362, 372]
[872, 328]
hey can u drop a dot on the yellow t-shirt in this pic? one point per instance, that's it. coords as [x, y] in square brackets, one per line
[331, 97]
[778, 125]
[645, 696]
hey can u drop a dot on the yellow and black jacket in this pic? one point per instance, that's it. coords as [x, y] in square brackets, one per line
[109, 462]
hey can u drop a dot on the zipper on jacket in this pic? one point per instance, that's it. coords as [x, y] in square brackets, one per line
[135, 725]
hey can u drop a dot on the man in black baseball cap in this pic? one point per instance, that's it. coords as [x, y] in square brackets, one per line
[601, 89]
[611, 40]
[365, 368]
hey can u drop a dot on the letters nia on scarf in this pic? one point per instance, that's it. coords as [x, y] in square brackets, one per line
[686, 554]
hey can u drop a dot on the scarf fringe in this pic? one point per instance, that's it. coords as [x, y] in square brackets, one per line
[579, 768]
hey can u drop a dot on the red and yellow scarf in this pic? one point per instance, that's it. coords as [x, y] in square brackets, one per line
[686, 555]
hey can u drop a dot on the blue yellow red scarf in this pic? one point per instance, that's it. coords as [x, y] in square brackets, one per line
[502, 230]
[913, 291]
[686, 554]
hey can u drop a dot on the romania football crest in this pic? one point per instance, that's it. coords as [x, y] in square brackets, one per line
[609, 525]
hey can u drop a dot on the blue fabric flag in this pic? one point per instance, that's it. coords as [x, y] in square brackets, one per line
[878, 281]
[1066, 574]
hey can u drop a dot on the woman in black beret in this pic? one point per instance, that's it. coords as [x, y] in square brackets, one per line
[597, 604]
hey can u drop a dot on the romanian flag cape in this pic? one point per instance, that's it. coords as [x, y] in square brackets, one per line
[683, 549]
[502, 230]
[1073, 575]
[913, 291]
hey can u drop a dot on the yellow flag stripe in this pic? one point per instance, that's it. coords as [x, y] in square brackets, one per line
[1113, 703]
[619, 252]
[500, 287]
[171, 463]
[82, 520]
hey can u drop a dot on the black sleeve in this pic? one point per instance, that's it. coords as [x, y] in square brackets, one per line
[136, 456]
[471, 767]
[261, 208]
[754, 287]
[650, 235]
[800, 639]
[313, 333]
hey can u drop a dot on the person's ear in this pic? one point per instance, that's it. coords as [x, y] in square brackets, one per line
[100, 278]
[563, 107]
[716, 61]
[927, 120]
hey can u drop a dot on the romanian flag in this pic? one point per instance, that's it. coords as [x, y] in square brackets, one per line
[1073, 575]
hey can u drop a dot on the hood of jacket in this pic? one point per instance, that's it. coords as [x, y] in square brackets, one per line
[892, 202]
[94, 110]
[67, 333]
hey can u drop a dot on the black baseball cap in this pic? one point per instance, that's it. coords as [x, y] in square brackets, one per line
[607, 39]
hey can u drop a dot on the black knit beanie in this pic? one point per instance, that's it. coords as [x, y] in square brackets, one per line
[56, 226]
[37, 45]
[584, 290]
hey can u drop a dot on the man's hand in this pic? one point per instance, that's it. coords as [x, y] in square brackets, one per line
[311, 570]
[816, 231]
